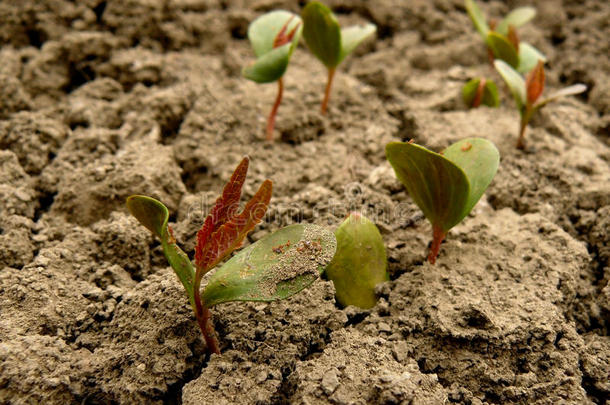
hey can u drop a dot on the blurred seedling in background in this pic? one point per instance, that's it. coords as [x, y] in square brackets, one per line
[273, 37]
[447, 185]
[275, 267]
[501, 37]
[360, 262]
[480, 91]
[328, 41]
[527, 92]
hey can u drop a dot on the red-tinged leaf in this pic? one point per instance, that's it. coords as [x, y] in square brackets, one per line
[232, 233]
[535, 83]
[478, 96]
[225, 207]
[281, 38]
[513, 38]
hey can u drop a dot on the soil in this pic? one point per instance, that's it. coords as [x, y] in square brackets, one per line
[106, 98]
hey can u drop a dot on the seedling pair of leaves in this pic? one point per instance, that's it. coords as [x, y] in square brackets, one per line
[502, 40]
[275, 267]
[360, 262]
[527, 92]
[447, 185]
[275, 35]
[480, 91]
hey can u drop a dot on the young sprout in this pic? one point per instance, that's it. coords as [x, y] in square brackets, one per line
[328, 41]
[360, 262]
[526, 93]
[275, 267]
[480, 91]
[273, 37]
[502, 40]
[447, 185]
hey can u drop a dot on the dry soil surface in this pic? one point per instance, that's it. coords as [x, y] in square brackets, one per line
[101, 99]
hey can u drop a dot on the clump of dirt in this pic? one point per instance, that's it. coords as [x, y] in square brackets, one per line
[106, 98]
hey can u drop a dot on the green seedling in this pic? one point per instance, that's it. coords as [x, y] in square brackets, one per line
[447, 185]
[480, 91]
[501, 37]
[527, 92]
[273, 37]
[275, 267]
[360, 262]
[328, 41]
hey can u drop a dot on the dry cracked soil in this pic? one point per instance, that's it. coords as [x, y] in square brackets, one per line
[101, 99]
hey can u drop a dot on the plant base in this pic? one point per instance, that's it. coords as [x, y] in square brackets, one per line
[438, 235]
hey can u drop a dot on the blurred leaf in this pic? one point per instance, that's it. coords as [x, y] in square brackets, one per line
[516, 18]
[479, 159]
[353, 36]
[503, 49]
[437, 185]
[275, 267]
[534, 83]
[360, 262]
[528, 57]
[271, 62]
[489, 95]
[514, 81]
[477, 17]
[322, 33]
[566, 91]
[154, 216]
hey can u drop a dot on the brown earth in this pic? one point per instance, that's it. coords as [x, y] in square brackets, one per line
[106, 98]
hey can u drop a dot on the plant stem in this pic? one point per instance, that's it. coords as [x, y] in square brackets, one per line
[437, 238]
[329, 83]
[204, 319]
[273, 114]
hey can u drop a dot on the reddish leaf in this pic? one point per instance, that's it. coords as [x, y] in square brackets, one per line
[281, 38]
[225, 207]
[231, 234]
[513, 38]
[476, 101]
[535, 83]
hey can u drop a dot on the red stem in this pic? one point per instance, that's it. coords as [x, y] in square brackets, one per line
[329, 83]
[273, 114]
[522, 127]
[437, 238]
[204, 319]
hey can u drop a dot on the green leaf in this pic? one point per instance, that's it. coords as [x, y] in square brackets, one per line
[273, 268]
[490, 95]
[477, 17]
[528, 57]
[437, 185]
[322, 33]
[269, 67]
[353, 36]
[517, 17]
[360, 262]
[154, 216]
[469, 91]
[445, 187]
[514, 81]
[479, 159]
[271, 62]
[566, 91]
[502, 49]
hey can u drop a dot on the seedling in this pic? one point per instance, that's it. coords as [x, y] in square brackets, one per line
[480, 91]
[502, 40]
[275, 267]
[360, 262]
[273, 37]
[328, 41]
[447, 185]
[526, 93]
